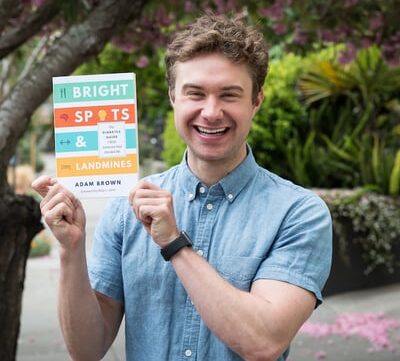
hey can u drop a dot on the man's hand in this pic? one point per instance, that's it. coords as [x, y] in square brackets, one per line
[153, 206]
[62, 211]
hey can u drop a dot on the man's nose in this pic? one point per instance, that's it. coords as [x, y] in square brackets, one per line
[212, 110]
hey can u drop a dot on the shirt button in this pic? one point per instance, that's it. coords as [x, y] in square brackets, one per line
[209, 206]
[230, 196]
[191, 195]
[200, 252]
[202, 189]
[188, 353]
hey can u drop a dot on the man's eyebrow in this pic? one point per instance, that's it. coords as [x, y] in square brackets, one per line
[225, 88]
[233, 88]
[191, 86]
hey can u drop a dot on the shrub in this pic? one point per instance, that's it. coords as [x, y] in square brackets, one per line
[374, 221]
[41, 244]
[355, 113]
[174, 146]
[332, 126]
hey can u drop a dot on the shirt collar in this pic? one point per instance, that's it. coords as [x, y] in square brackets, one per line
[231, 184]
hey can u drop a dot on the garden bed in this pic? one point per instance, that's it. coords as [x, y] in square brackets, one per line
[366, 242]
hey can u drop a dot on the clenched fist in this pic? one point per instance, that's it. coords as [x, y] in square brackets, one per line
[62, 212]
[153, 207]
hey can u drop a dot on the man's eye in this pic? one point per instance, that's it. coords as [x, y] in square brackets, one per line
[195, 94]
[230, 95]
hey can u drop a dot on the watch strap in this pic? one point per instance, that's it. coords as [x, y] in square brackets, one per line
[177, 244]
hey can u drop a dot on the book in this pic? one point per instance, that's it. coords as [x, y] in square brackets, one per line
[96, 134]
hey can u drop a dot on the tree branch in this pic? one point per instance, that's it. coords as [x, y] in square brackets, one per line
[33, 56]
[17, 36]
[80, 43]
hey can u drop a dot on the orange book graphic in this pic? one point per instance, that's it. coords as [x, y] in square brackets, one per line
[87, 166]
[92, 115]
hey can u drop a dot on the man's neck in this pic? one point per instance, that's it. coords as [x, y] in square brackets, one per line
[211, 172]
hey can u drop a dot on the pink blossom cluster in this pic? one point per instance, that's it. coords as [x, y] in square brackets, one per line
[373, 327]
[37, 3]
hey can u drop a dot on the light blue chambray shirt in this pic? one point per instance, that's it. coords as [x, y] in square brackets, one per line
[251, 225]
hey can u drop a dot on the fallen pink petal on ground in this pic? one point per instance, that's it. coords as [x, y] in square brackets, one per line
[320, 355]
[374, 327]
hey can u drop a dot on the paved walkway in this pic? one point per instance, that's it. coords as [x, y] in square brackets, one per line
[348, 327]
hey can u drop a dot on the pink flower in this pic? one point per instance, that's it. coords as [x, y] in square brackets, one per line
[348, 54]
[38, 3]
[329, 35]
[376, 22]
[300, 36]
[275, 12]
[280, 29]
[189, 6]
[142, 62]
[350, 3]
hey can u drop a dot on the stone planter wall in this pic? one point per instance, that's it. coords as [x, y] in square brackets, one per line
[349, 265]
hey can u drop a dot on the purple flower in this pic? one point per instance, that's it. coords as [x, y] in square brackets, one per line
[38, 3]
[366, 42]
[329, 35]
[348, 54]
[300, 37]
[189, 6]
[350, 3]
[391, 54]
[275, 12]
[280, 29]
[142, 62]
[376, 22]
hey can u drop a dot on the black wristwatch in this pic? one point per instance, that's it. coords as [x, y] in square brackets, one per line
[177, 244]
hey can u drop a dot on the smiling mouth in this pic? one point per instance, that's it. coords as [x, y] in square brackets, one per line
[207, 131]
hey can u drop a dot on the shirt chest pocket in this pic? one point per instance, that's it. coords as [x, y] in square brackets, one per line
[239, 271]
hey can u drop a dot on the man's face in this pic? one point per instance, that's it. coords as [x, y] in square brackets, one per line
[213, 108]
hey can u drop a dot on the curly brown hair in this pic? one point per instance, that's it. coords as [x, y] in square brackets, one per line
[232, 37]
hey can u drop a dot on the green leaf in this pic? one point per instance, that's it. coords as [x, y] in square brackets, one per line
[394, 186]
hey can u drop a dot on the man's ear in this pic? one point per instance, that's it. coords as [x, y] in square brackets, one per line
[171, 94]
[258, 101]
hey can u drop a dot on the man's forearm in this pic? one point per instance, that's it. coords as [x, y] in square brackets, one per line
[80, 315]
[258, 325]
[243, 321]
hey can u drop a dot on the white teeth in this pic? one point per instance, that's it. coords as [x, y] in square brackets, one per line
[211, 131]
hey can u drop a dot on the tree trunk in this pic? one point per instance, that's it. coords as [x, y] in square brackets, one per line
[20, 215]
[20, 221]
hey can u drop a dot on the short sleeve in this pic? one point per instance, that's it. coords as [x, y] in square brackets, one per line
[104, 264]
[302, 251]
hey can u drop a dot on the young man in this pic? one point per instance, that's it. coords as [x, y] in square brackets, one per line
[256, 253]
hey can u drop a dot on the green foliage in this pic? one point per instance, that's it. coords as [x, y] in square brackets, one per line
[281, 136]
[327, 125]
[174, 146]
[375, 225]
[152, 90]
[361, 143]
[281, 114]
[41, 244]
